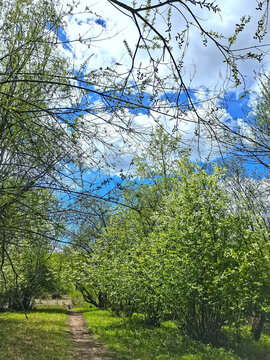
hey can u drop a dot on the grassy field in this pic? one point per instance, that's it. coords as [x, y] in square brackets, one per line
[131, 339]
[42, 337]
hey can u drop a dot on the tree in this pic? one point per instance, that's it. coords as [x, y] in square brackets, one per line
[253, 195]
[221, 262]
[128, 222]
[27, 235]
[47, 109]
[74, 89]
[46, 140]
[25, 277]
[40, 125]
[34, 144]
[197, 256]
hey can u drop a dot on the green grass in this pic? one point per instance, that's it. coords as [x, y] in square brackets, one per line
[43, 336]
[132, 339]
[249, 349]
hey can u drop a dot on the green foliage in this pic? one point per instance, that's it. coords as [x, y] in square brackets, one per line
[34, 146]
[181, 249]
[26, 232]
[58, 264]
[28, 277]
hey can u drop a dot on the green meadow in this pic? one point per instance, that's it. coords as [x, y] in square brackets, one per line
[132, 339]
[43, 336]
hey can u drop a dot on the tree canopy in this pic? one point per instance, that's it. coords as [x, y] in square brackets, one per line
[115, 163]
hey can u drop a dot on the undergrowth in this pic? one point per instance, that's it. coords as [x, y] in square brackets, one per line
[132, 339]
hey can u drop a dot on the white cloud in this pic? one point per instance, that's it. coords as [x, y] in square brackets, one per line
[107, 44]
[203, 68]
[107, 137]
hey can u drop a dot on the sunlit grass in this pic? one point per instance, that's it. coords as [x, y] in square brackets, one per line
[43, 336]
[132, 339]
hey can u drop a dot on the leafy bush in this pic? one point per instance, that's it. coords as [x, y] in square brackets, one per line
[181, 249]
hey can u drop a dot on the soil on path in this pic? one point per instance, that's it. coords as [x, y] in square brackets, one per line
[89, 347]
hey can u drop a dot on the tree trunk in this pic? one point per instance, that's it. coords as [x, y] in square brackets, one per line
[257, 325]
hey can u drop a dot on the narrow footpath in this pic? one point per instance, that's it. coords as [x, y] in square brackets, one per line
[89, 347]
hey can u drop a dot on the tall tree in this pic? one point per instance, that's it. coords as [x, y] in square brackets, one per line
[190, 252]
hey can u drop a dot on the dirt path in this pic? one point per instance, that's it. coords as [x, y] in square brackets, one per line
[89, 348]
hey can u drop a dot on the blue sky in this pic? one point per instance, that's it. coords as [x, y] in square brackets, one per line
[108, 29]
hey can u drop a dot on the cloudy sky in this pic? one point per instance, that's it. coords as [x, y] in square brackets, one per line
[110, 29]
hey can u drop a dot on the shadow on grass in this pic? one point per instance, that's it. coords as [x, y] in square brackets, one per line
[266, 328]
[246, 348]
[132, 338]
[49, 311]
[43, 309]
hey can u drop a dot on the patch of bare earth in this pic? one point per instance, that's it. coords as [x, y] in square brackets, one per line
[89, 347]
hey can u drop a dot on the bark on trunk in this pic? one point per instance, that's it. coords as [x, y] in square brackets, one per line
[257, 325]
